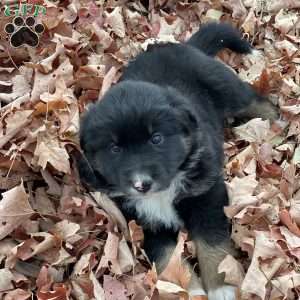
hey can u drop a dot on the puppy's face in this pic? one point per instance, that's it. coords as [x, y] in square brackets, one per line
[134, 140]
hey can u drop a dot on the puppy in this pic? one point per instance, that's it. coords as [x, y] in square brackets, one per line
[154, 145]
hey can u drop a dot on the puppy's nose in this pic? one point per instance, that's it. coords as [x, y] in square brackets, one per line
[142, 185]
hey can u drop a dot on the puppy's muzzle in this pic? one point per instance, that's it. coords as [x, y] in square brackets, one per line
[142, 183]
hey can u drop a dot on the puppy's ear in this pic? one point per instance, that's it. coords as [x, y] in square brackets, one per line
[186, 116]
[182, 109]
[88, 176]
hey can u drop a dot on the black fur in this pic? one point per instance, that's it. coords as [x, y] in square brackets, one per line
[181, 92]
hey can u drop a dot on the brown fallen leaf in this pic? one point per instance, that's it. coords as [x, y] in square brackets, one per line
[116, 22]
[15, 123]
[126, 259]
[236, 6]
[14, 210]
[240, 192]
[6, 280]
[17, 294]
[286, 219]
[113, 289]
[109, 258]
[136, 236]
[43, 204]
[274, 6]
[46, 83]
[99, 292]
[108, 80]
[20, 85]
[42, 108]
[177, 271]
[256, 280]
[114, 212]
[59, 292]
[50, 150]
[284, 285]
[256, 130]
[62, 93]
[234, 272]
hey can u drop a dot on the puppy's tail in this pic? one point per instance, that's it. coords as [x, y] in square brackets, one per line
[213, 37]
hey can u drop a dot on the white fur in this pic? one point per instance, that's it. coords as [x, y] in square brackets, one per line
[225, 292]
[157, 208]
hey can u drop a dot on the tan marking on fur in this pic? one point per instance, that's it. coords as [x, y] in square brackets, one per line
[264, 109]
[209, 258]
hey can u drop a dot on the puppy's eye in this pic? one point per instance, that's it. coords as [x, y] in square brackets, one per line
[115, 148]
[156, 138]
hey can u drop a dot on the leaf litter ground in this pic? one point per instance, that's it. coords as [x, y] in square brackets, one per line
[59, 242]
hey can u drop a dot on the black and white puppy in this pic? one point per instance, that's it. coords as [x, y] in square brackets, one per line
[154, 145]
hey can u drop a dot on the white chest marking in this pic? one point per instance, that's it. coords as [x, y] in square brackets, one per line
[157, 208]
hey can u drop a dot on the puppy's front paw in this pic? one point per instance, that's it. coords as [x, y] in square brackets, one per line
[194, 293]
[225, 292]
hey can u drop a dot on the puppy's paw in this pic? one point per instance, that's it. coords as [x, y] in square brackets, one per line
[193, 293]
[263, 109]
[225, 292]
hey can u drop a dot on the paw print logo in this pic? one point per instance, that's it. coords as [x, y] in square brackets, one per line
[24, 32]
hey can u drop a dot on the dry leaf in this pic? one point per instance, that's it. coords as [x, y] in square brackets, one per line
[255, 130]
[50, 150]
[234, 272]
[15, 123]
[240, 192]
[116, 22]
[177, 271]
[14, 210]
[6, 280]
